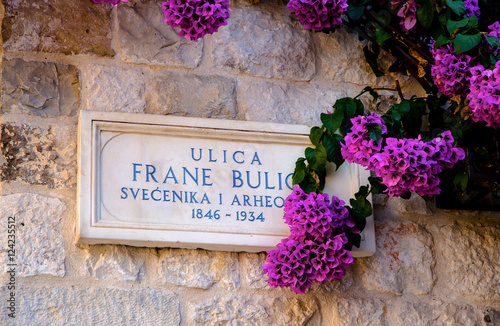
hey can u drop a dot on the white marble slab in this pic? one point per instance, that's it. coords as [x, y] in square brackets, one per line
[165, 181]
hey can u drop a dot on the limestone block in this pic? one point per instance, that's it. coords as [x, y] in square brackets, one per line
[115, 89]
[199, 268]
[264, 42]
[434, 313]
[57, 305]
[109, 262]
[415, 205]
[208, 96]
[40, 88]
[360, 312]
[403, 262]
[57, 26]
[253, 310]
[38, 155]
[470, 254]
[252, 273]
[144, 37]
[39, 243]
[286, 103]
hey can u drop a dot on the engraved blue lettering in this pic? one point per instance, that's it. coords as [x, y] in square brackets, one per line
[150, 173]
[246, 200]
[193, 199]
[266, 174]
[170, 174]
[236, 200]
[248, 180]
[145, 194]
[268, 201]
[192, 177]
[287, 182]
[153, 194]
[282, 202]
[256, 201]
[124, 191]
[206, 177]
[192, 155]
[177, 195]
[237, 176]
[210, 159]
[135, 170]
[279, 181]
[242, 159]
[132, 192]
[166, 195]
[256, 158]
[205, 198]
[225, 159]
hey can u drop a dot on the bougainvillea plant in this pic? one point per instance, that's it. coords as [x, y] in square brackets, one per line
[419, 145]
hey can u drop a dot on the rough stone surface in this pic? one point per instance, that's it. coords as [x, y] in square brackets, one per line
[144, 37]
[39, 244]
[253, 310]
[252, 273]
[115, 89]
[433, 313]
[244, 45]
[40, 88]
[414, 205]
[192, 95]
[115, 262]
[403, 261]
[199, 268]
[69, 27]
[285, 102]
[360, 312]
[470, 254]
[35, 155]
[94, 306]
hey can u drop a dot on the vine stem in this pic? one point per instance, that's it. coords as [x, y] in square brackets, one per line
[398, 88]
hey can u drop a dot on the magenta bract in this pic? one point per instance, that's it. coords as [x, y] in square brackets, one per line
[318, 14]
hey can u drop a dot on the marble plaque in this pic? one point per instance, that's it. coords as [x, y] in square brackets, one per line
[166, 181]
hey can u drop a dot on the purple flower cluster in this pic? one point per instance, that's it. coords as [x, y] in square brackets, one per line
[471, 8]
[314, 251]
[359, 147]
[196, 18]
[405, 165]
[409, 14]
[412, 165]
[484, 96]
[318, 14]
[113, 2]
[450, 71]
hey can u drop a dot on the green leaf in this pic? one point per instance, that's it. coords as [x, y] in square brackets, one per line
[492, 41]
[463, 43]
[310, 155]
[320, 159]
[374, 131]
[372, 92]
[376, 185]
[300, 171]
[333, 145]
[309, 184]
[457, 6]
[403, 107]
[332, 121]
[371, 58]
[315, 135]
[381, 34]
[355, 12]
[442, 40]
[425, 14]
[460, 181]
[454, 25]
[347, 105]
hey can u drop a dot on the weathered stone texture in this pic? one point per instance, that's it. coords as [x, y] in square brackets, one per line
[471, 256]
[403, 262]
[114, 89]
[39, 244]
[115, 262]
[199, 268]
[285, 103]
[94, 306]
[57, 26]
[36, 155]
[360, 312]
[253, 310]
[192, 95]
[40, 88]
[264, 42]
[144, 37]
[251, 268]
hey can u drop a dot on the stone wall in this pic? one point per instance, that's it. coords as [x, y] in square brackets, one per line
[432, 267]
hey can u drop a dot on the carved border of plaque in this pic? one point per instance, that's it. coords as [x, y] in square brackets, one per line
[123, 158]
